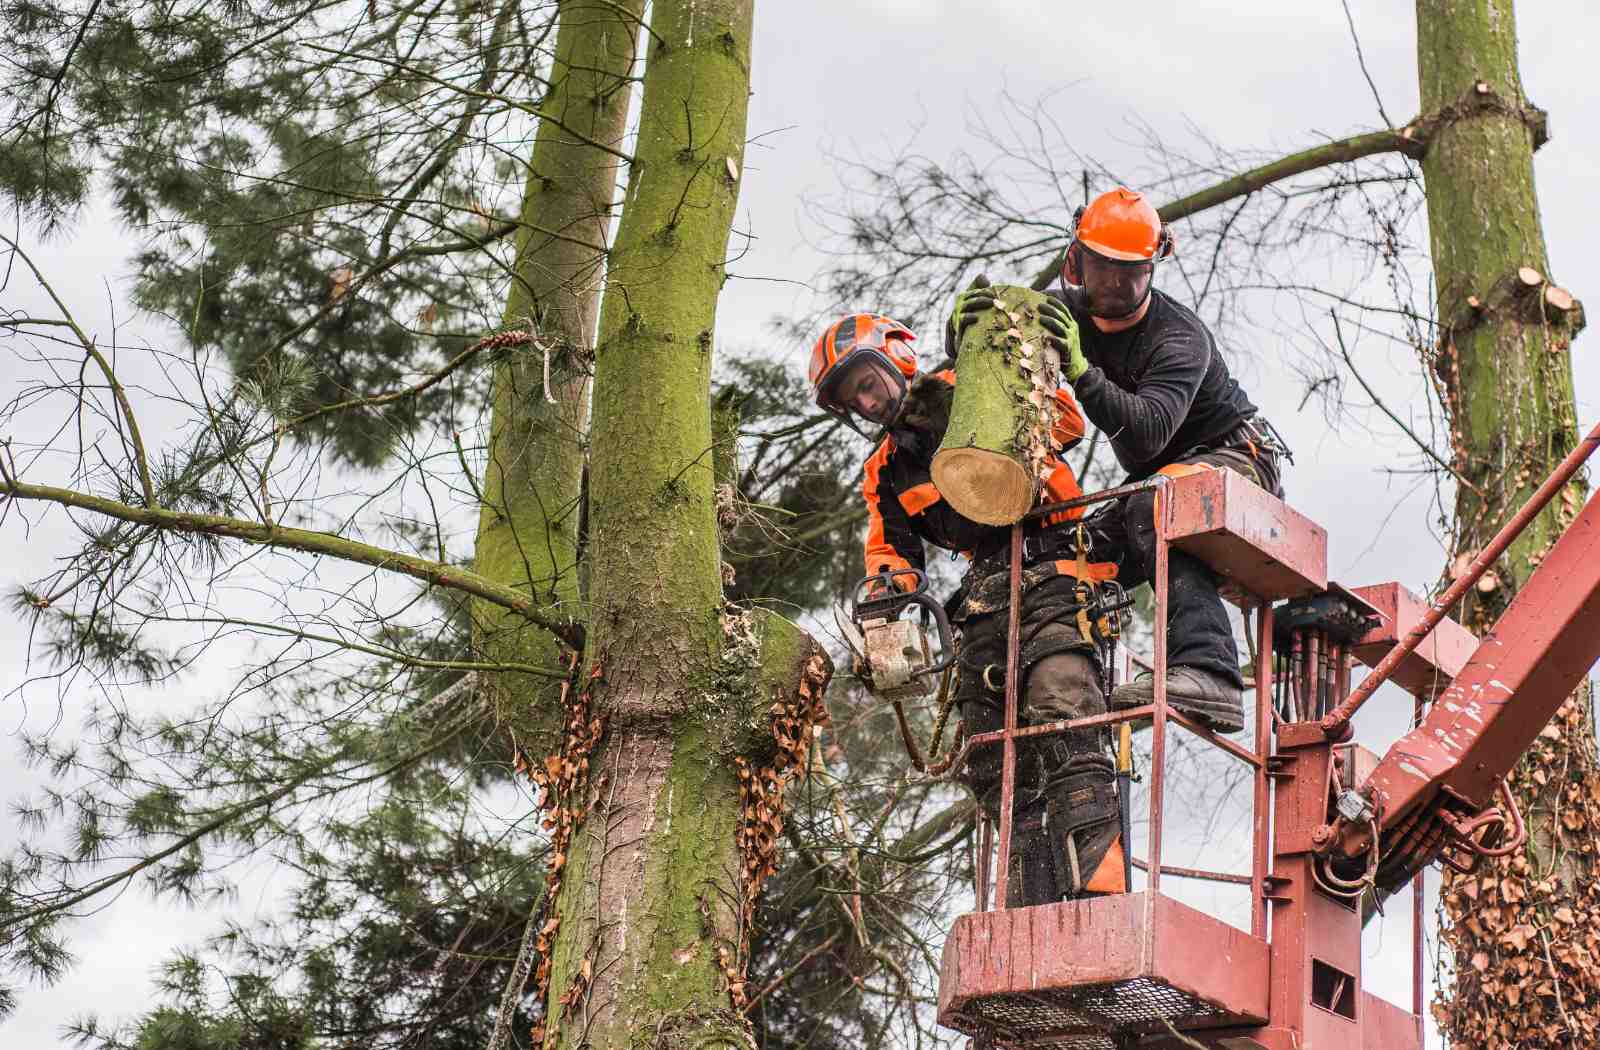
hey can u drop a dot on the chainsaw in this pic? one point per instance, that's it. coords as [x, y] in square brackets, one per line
[894, 656]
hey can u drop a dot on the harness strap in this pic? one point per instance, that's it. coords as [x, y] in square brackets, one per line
[1082, 576]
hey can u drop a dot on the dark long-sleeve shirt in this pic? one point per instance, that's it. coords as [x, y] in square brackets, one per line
[1159, 388]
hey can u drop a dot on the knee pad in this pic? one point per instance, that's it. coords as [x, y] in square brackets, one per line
[1061, 835]
[1063, 682]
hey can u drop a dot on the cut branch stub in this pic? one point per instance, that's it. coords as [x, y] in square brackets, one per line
[1559, 298]
[998, 446]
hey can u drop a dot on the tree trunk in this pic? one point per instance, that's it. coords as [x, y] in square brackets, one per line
[1519, 929]
[528, 525]
[651, 914]
[997, 448]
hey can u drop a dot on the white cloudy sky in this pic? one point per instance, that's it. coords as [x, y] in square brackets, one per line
[835, 77]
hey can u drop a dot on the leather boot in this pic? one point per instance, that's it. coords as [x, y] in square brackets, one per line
[1207, 698]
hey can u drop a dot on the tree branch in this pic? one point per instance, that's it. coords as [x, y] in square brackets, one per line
[218, 822]
[123, 404]
[523, 107]
[1409, 140]
[497, 341]
[381, 652]
[306, 540]
[1338, 334]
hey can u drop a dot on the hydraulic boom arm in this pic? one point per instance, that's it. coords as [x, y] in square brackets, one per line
[1433, 792]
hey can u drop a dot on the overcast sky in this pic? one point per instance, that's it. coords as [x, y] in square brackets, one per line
[835, 77]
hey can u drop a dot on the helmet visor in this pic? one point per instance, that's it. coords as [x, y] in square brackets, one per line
[1114, 288]
[866, 385]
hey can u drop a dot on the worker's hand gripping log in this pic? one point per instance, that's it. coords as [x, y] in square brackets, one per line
[895, 656]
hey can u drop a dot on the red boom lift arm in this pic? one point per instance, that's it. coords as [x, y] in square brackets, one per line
[1432, 795]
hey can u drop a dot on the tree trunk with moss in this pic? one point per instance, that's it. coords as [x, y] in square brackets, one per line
[532, 484]
[1504, 369]
[998, 448]
[698, 711]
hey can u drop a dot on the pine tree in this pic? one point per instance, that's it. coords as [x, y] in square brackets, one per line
[322, 292]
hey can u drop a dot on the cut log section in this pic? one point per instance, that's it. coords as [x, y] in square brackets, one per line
[999, 446]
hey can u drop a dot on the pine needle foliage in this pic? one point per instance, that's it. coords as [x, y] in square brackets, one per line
[333, 184]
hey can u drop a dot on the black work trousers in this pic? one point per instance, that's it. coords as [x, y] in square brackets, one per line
[1065, 810]
[1198, 632]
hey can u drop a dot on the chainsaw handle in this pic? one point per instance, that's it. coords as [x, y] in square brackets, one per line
[947, 646]
[879, 597]
[888, 601]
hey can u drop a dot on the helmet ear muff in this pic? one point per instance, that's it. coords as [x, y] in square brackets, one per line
[899, 353]
[1166, 245]
[1072, 266]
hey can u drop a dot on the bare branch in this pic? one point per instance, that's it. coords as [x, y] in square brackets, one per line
[99, 359]
[1408, 140]
[1423, 445]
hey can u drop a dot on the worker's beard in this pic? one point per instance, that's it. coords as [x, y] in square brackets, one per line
[1117, 299]
[1113, 290]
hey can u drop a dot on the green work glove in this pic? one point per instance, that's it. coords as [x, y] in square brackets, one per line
[971, 304]
[1062, 334]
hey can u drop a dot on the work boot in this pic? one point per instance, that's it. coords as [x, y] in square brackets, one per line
[1206, 697]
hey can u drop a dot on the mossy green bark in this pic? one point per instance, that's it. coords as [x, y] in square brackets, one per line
[650, 896]
[764, 657]
[1504, 367]
[652, 886]
[1506, 370]
[654, 545]
[989, 466]
[532, 484]
[647, 898]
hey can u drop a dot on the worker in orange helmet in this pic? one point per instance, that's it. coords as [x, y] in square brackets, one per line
[1148, 373]
[863, 370]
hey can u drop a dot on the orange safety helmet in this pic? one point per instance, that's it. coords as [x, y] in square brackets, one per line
[862, 363]
[1117, 242]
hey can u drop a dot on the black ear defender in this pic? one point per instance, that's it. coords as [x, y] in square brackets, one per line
[1072, 265]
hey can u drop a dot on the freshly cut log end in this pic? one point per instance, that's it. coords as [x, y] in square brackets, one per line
[991, 488]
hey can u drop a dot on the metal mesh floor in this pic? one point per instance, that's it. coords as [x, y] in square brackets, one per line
[1083, 1018]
